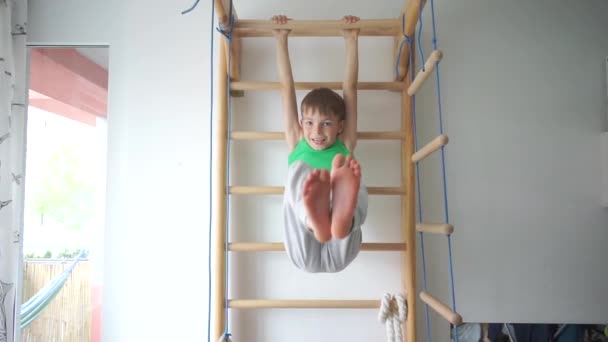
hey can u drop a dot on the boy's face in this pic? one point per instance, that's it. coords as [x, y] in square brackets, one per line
[320, 130]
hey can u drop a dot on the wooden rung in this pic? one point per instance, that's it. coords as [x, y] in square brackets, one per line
[278, 247]
[245, 135]
[314, 85]
[256, 190]
[441, 308]
[422, 76]
[435, 228]
[431, 147]
[278, 190]
[318, 28]
[302, 304]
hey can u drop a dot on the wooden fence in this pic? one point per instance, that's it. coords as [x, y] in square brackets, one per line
[69, 316]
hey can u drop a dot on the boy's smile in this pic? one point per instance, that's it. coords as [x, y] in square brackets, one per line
[319, 130]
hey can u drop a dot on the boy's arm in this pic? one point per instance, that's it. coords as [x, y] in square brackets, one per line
[288, 92]
[349, 135]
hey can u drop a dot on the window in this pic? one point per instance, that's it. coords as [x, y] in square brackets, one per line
[65, 190]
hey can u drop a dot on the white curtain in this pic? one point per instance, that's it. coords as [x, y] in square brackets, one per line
[12, 155]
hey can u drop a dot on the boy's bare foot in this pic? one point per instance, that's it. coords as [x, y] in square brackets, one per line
[345, 182]
[316, 201]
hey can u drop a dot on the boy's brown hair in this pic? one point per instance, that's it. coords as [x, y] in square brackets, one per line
[325, 101]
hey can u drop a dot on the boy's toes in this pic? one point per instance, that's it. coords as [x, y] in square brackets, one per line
[337, 162]
[310, 179]
[324, 175]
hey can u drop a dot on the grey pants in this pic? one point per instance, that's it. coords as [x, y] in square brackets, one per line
[302, 247]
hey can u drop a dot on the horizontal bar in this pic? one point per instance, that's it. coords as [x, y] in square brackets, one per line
[318, 28]
[247, 135]
[278, 190]
[423, 74]
[435, 228]
[314, 85]
[441, 308]
[431, 147]
[302, 304]
[278, 247]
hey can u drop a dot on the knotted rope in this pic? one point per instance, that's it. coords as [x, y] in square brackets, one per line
[393, 311]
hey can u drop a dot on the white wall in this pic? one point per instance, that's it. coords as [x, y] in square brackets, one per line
[522, 99]
[523, 95]
[155, 275]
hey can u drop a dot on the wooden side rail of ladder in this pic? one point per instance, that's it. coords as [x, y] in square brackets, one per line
[260, 28]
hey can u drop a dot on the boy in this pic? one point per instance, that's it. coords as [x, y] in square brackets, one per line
[324, 204]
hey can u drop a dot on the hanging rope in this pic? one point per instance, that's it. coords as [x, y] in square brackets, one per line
[393, 312]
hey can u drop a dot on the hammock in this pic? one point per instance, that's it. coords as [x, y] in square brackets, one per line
[31, 309]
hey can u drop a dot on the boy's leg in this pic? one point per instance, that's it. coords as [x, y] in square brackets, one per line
[345, 183]
[300, 243]
[337, 254]
[315, 194]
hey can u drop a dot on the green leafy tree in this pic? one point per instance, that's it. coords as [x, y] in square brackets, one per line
[66, 192]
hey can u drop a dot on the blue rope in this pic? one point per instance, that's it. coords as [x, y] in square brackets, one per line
[226, 31]
[407, 40]
[228, 35]
[434, 30]
[426, 306]
[194, 6]
[443, 169]
[452, 277]
[228, 146]
[210, 177]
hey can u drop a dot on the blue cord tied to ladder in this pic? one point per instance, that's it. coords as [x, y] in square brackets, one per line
[226, 31]
[406, 39]
[225, 338]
